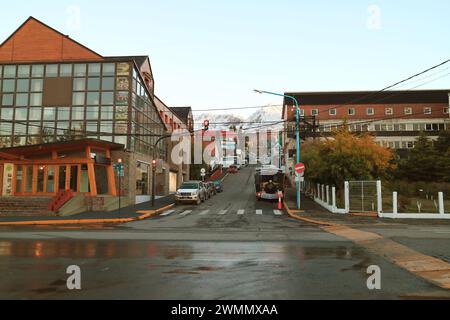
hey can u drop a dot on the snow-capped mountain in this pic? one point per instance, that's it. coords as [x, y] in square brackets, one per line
[268, 116]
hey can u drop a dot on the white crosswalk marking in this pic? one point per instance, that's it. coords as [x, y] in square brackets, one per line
[166, 213]
[278, 212]
[241, 211]
[259, 212]
[185, 213]
[204, 212]
[222, 212]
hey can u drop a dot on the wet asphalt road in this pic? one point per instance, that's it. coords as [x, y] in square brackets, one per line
[230, 247]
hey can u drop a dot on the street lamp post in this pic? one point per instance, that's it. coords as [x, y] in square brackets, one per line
[297, 132]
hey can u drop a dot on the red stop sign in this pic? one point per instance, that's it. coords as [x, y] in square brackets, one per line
[300, 168]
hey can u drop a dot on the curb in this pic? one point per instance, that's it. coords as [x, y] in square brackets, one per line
[318, 222]
[145, 214]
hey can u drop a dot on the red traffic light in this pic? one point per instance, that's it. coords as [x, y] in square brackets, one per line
[154, 162]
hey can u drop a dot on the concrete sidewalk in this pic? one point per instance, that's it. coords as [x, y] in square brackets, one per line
[129, 212]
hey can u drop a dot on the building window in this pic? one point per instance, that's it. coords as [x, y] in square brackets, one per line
[389, 111]
[36, 99]
[79, 70]
[37, 71]
[93, 84]
[302, 112]
[9, 85]
[51, 70]
[351, 111]
[65, 70]
[332, 112]
[79, 84]
[23, 72]
[22, 99]
[408, 111]
[78, 98]
[446, 110]
[7, 100]
[109, 69]
[37, 85]
[107, 98]
[370, 111]
[427, 110]
[9, 72]
[107, 84]
[314, 112]
[23, 85]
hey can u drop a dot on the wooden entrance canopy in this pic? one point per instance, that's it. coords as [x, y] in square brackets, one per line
[44, 169]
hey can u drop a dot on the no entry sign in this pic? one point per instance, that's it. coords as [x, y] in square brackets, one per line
[300, 168]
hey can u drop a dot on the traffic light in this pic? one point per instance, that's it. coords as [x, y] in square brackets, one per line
[154, 162]
[206, 125]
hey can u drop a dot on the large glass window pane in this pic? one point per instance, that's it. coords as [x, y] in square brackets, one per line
[9, 85]
[34, 128]
[5, 130]
[109, 69]
[23, 85]
[107, 84]
[37, 85]
[21, 114]
[94, 69]
[79, 84]
[49, 113]
[9, 72]
[51, 70]
[29, 179]
[92, 113]
[40, 179]
[63, 113]
[7, 100]
[19, 178]
[23, 72]
[77, 126]
[93, 98]
[79, 70]
[36, 99]
[78, 98]
[7, 113]
[108, 98]
[107, 113]
[94, 84]
[65, 70]
[48, 128]
[22, 99]
[106, 127]
[35, 114]
[62, 178]
[50, 187]
[92, 127]
[77, 113]
[37, 71]
[20, 129]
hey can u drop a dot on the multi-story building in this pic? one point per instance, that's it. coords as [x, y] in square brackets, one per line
[53, 89]
[395, 118]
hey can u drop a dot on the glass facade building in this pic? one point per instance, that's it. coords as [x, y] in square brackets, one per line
[43, 103]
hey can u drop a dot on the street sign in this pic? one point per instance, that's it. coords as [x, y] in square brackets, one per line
[300, 168]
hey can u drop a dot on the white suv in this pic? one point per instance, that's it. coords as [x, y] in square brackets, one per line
[191, 191]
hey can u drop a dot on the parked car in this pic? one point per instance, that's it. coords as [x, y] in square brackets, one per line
[218, 185]
[191, 191]
[211, 189]
[232, 169]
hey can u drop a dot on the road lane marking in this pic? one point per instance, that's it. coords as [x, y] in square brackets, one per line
[222, 212]
[259, 212]
[204, 212]
[185, 213]
[241, 211]
[278, 212]
[167, 213]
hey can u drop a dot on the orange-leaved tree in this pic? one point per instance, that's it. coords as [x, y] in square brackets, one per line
[345, 156]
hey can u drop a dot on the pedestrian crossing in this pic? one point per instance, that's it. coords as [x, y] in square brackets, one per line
[240, 212]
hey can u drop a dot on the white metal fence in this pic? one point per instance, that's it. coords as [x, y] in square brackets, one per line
[396, 215]
[366, 196]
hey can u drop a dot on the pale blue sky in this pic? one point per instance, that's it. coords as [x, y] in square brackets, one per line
[211, 54]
